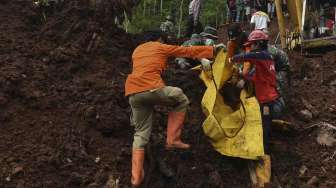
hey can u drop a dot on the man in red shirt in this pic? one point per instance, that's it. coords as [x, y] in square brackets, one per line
[145, 89]
[264, 79]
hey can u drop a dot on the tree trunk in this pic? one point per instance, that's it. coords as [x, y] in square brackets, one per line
[155, 5]
[281, 23]
[181, 18]
[126, 22]
[144, 8]
[216, 18]
[161, 6]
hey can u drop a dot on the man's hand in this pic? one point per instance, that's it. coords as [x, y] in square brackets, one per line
[219, 47]
[182, 63]
[241, 83]
[206, 64]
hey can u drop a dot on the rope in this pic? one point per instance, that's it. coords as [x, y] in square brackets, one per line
[243, 118]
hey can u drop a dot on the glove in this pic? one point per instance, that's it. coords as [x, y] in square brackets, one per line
[182, 63]
[219, 47]
[206, 64]
[241, 83]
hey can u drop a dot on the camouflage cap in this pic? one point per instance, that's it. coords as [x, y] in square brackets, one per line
[209, 32]
[195, 36]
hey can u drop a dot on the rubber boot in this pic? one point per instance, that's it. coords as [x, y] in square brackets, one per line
[138, 174]
[263, 171]
[174, 131]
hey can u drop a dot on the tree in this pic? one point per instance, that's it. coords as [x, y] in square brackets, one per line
[150, 13]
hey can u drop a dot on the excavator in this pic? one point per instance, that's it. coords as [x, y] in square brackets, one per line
[313, 24]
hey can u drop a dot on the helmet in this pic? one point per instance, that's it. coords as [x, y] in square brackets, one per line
[209, 32]
[195, 36]
[258, 35]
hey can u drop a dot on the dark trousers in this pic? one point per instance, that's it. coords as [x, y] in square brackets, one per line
[266, 113]
[191, 29]
[233, 15]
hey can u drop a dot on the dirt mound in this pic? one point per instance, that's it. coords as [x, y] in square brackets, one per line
[61, 87]
[64, 120]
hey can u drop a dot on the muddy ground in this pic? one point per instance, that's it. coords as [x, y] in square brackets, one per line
[64, 121]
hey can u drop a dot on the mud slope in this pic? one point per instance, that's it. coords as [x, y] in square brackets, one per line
[64, 121]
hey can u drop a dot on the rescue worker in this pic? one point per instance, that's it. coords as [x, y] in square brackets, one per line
[264, 80]
[145, 88]
[193, 24]
[260, 21]
[283, 73]
[235, 45]
[168, 27]
[208, 37]
[239, 37]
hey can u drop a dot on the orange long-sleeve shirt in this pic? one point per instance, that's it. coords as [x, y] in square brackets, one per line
[150, 60]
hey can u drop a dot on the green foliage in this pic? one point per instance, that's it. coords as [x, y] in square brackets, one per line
[214, 12]
[149, 15]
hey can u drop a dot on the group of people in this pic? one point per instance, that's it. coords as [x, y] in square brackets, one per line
[239, 10]
[256, 62]
[264, 67]
[320, 19]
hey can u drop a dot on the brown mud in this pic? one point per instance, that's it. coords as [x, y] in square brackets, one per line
[64, 120]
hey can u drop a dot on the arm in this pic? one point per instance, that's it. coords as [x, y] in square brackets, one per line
[246, 68]
[191, 52]
[280, 58]
[284, 62]
[250, 56]
[252, 22]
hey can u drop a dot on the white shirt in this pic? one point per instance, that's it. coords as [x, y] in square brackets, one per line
[260, 19]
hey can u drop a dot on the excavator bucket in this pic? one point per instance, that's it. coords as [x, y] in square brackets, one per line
[313, 24]
[232, 132]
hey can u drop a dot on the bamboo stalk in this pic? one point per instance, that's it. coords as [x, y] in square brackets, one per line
[181, 17]
[281, 22]
[299, 12]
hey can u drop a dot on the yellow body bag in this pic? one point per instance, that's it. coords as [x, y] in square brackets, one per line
[232, 133]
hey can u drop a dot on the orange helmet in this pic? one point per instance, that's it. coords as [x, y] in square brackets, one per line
[257, 35]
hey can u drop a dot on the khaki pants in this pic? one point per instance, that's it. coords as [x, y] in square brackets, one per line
[142, 105]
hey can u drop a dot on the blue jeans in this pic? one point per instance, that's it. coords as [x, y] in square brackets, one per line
[238, 14]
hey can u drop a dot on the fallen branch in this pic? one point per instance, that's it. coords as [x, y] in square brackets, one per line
[321, 124]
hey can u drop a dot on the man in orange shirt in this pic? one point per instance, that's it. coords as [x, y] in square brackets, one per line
[145, 89]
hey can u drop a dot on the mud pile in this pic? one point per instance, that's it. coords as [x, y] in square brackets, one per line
[64, 120]
[61, 86]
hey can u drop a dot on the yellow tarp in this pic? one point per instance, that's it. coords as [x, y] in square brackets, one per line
[232, 133]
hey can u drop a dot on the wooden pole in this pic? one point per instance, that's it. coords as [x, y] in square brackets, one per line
[299, 12]
[161, 6]
[281, 22]
[180, 20]
[291, 4]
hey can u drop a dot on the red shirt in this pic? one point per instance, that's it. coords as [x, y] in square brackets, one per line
[263, 77]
